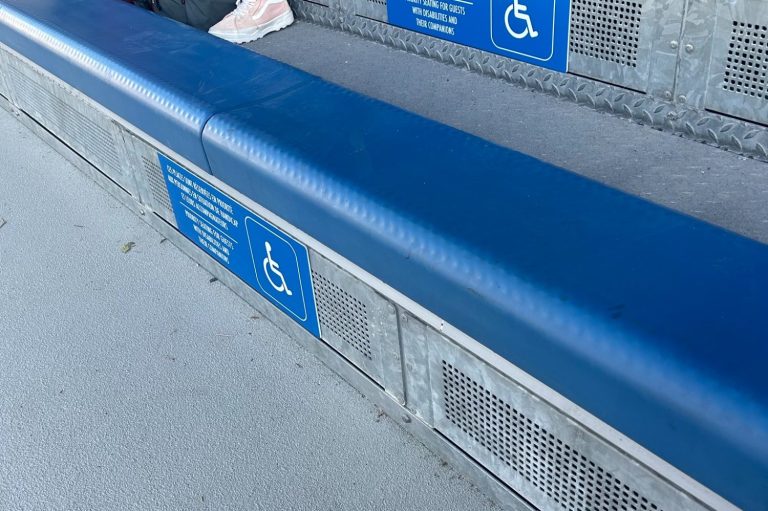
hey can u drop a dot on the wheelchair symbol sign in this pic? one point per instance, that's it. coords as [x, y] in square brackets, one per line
[272, 271]
[519, 11]
[277, 268]
[524, 27]
[260, 254]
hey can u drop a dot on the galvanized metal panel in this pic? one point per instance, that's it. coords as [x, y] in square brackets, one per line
[415, 353]
[3, 71]
[371, 9]
[695, 47]
[150, 181]
[738, 73]
[70, 116]
[321, 3]
[548, 458]
[359, 323]
[619, 41]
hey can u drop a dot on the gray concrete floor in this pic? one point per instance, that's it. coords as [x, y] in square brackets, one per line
[130, 381]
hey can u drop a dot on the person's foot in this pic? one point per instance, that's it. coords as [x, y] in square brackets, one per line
[253, 19]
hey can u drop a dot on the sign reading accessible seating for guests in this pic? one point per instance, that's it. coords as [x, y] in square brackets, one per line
[266, 258]
[534, 31]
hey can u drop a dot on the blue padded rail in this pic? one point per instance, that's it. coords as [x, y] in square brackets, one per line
[653, 321]
[165, 77]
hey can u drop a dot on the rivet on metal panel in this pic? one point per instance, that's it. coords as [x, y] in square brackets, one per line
[682, 99]
[689, 48]
[668, 94]
[673, 44]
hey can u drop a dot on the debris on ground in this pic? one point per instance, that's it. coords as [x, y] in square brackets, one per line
[127, 247]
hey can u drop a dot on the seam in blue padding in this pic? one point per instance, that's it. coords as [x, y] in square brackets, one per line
[276, 94]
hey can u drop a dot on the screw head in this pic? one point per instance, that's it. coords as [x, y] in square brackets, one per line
[681, 98]
[673, 44]
[668, 94]
[689, 48]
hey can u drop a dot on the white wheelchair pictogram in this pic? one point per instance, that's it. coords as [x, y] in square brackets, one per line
[271, 267]
[518, 10]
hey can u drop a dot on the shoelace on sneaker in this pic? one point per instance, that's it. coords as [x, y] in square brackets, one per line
[242, 7]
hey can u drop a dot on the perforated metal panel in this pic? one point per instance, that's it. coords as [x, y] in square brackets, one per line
[358, 323]
[746, 67]
[542, 454]
[69, 116]
[154, 174]
[556, 469]
[343, 315]
[150, 182]
[606, 29]
[738, 83]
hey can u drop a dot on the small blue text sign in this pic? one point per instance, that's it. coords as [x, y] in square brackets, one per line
[533, 31]
[267, 259]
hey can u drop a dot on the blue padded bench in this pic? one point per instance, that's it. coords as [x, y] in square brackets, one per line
[655, 322]
[156, 74]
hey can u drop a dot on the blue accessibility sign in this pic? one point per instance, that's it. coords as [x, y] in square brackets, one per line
[281, 280]
[533, 31]
[263, 256]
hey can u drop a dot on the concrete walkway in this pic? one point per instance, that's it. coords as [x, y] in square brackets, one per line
[128, 380]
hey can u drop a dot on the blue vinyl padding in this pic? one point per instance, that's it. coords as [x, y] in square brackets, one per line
[655, 322]
[163, 76]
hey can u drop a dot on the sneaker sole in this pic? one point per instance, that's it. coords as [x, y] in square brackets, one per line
[274, 25]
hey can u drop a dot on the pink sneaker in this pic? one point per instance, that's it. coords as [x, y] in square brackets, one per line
[253, 19]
